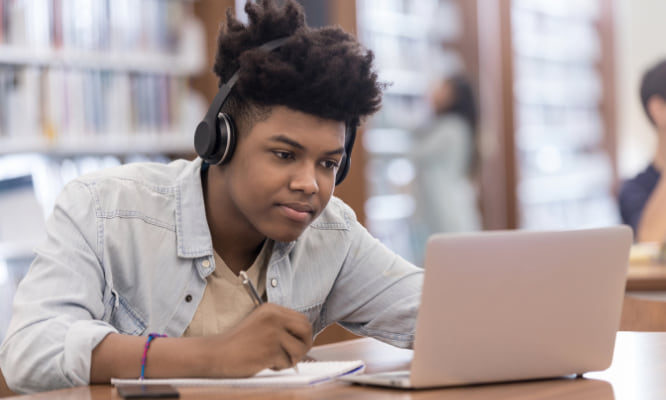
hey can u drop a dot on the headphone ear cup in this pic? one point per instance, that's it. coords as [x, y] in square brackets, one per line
[216, 144]
[205, 140]
[343, 169]
[345, 163]
[227, 135]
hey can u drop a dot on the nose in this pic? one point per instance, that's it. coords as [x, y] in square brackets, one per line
[304, 180]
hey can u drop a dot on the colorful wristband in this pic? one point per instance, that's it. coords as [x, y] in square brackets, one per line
[145, 352]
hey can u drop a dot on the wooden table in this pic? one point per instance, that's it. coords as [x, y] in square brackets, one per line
[638, 372]
[644, 306]
[649, 277]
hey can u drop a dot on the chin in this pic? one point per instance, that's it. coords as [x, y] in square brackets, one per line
[286, 235]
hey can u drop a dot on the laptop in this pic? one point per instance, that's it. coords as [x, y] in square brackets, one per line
[515, 305]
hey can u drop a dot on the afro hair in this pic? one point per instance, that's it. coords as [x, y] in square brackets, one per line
[320, 71]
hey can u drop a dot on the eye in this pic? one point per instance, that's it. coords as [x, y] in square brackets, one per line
[283, 155]
[330, 164]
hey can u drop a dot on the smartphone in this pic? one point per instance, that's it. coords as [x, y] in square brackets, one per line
[147, 391]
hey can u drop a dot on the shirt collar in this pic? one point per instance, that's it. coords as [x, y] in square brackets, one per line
[192, 232]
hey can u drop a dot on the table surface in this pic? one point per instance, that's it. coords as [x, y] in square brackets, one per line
[638, 372]
[646, 277]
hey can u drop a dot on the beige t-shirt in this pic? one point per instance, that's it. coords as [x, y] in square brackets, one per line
[225, 301]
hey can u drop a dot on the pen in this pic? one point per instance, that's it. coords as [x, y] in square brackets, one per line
[249, 287]
[256, 299]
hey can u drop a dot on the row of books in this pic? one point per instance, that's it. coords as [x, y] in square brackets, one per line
[59, 102]
[434, 20]
[557, 39]
[564, 167]
[407, 54]
[117, 25]
[422, 8]
[570, 9]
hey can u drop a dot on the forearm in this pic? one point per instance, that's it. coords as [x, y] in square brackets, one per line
[652, 224]
[270, 337]
[119, 356]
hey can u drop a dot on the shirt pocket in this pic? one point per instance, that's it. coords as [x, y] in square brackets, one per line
[126, 320]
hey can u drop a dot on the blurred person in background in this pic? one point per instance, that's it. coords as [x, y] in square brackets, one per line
[446, 157]
[643, 198]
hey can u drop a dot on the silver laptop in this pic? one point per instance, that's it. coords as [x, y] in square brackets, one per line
[516, 305]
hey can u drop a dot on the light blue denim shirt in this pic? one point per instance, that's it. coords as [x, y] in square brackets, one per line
[125, 252]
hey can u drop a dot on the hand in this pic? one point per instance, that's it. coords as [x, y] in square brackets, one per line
[272, 336]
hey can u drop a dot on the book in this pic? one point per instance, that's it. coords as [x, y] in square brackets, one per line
[310, 373]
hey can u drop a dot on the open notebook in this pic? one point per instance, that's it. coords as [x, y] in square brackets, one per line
[310, 373]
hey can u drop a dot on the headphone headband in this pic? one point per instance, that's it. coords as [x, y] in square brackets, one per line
[226, 87]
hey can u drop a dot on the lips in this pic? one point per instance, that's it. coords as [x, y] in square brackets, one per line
[300, 207]
[297, 211]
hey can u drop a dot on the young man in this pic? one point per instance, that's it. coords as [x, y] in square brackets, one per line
[149, 248]
[643, 198]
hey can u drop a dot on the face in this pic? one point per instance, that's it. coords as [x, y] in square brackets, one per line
[282, 174]
[657, 109]
[441, 97]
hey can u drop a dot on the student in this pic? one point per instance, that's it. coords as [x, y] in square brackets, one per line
[151, 248]
[643, 198]
[445, 154]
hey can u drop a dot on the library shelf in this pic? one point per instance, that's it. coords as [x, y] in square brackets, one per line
[146, 62]
[135, 143]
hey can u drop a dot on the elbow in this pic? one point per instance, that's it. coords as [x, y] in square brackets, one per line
[24, 379]
[25, 372]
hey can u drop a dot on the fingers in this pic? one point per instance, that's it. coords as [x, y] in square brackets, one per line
[293, 322]
[270, 337]
[283, 362]
[292, 352]
[293, 348]
[301, 329]
[291, 335]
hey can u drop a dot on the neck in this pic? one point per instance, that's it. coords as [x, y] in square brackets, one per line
[233, 239]
[659, 160]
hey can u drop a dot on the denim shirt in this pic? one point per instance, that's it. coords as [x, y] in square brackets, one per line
[125, 253]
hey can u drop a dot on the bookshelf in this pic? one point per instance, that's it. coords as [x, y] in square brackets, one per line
[415, 44]
[80, 77]
[85, 85]
[118, 144]
[564, 136]
[546, 78]
[155, 63]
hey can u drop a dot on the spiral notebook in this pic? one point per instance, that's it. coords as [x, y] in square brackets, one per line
[309, 373]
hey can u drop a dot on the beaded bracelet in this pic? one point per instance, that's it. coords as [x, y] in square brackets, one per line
[145, 352]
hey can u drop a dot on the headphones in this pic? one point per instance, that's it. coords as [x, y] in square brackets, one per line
[215, 136]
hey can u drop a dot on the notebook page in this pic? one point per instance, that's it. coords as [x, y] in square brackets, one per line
[310, 373]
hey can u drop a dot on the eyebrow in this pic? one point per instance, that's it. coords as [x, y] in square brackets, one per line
[286, 140]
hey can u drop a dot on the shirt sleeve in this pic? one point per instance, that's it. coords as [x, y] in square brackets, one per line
[377, 292]
[632, 200]
[58, 307]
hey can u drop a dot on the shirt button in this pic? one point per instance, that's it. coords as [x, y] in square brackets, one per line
[274, 282]
[206, 263]
[188, 298]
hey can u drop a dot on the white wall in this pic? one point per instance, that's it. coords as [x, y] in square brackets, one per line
[640, 43]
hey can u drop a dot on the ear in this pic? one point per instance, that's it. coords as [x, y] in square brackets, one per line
[657, 108]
